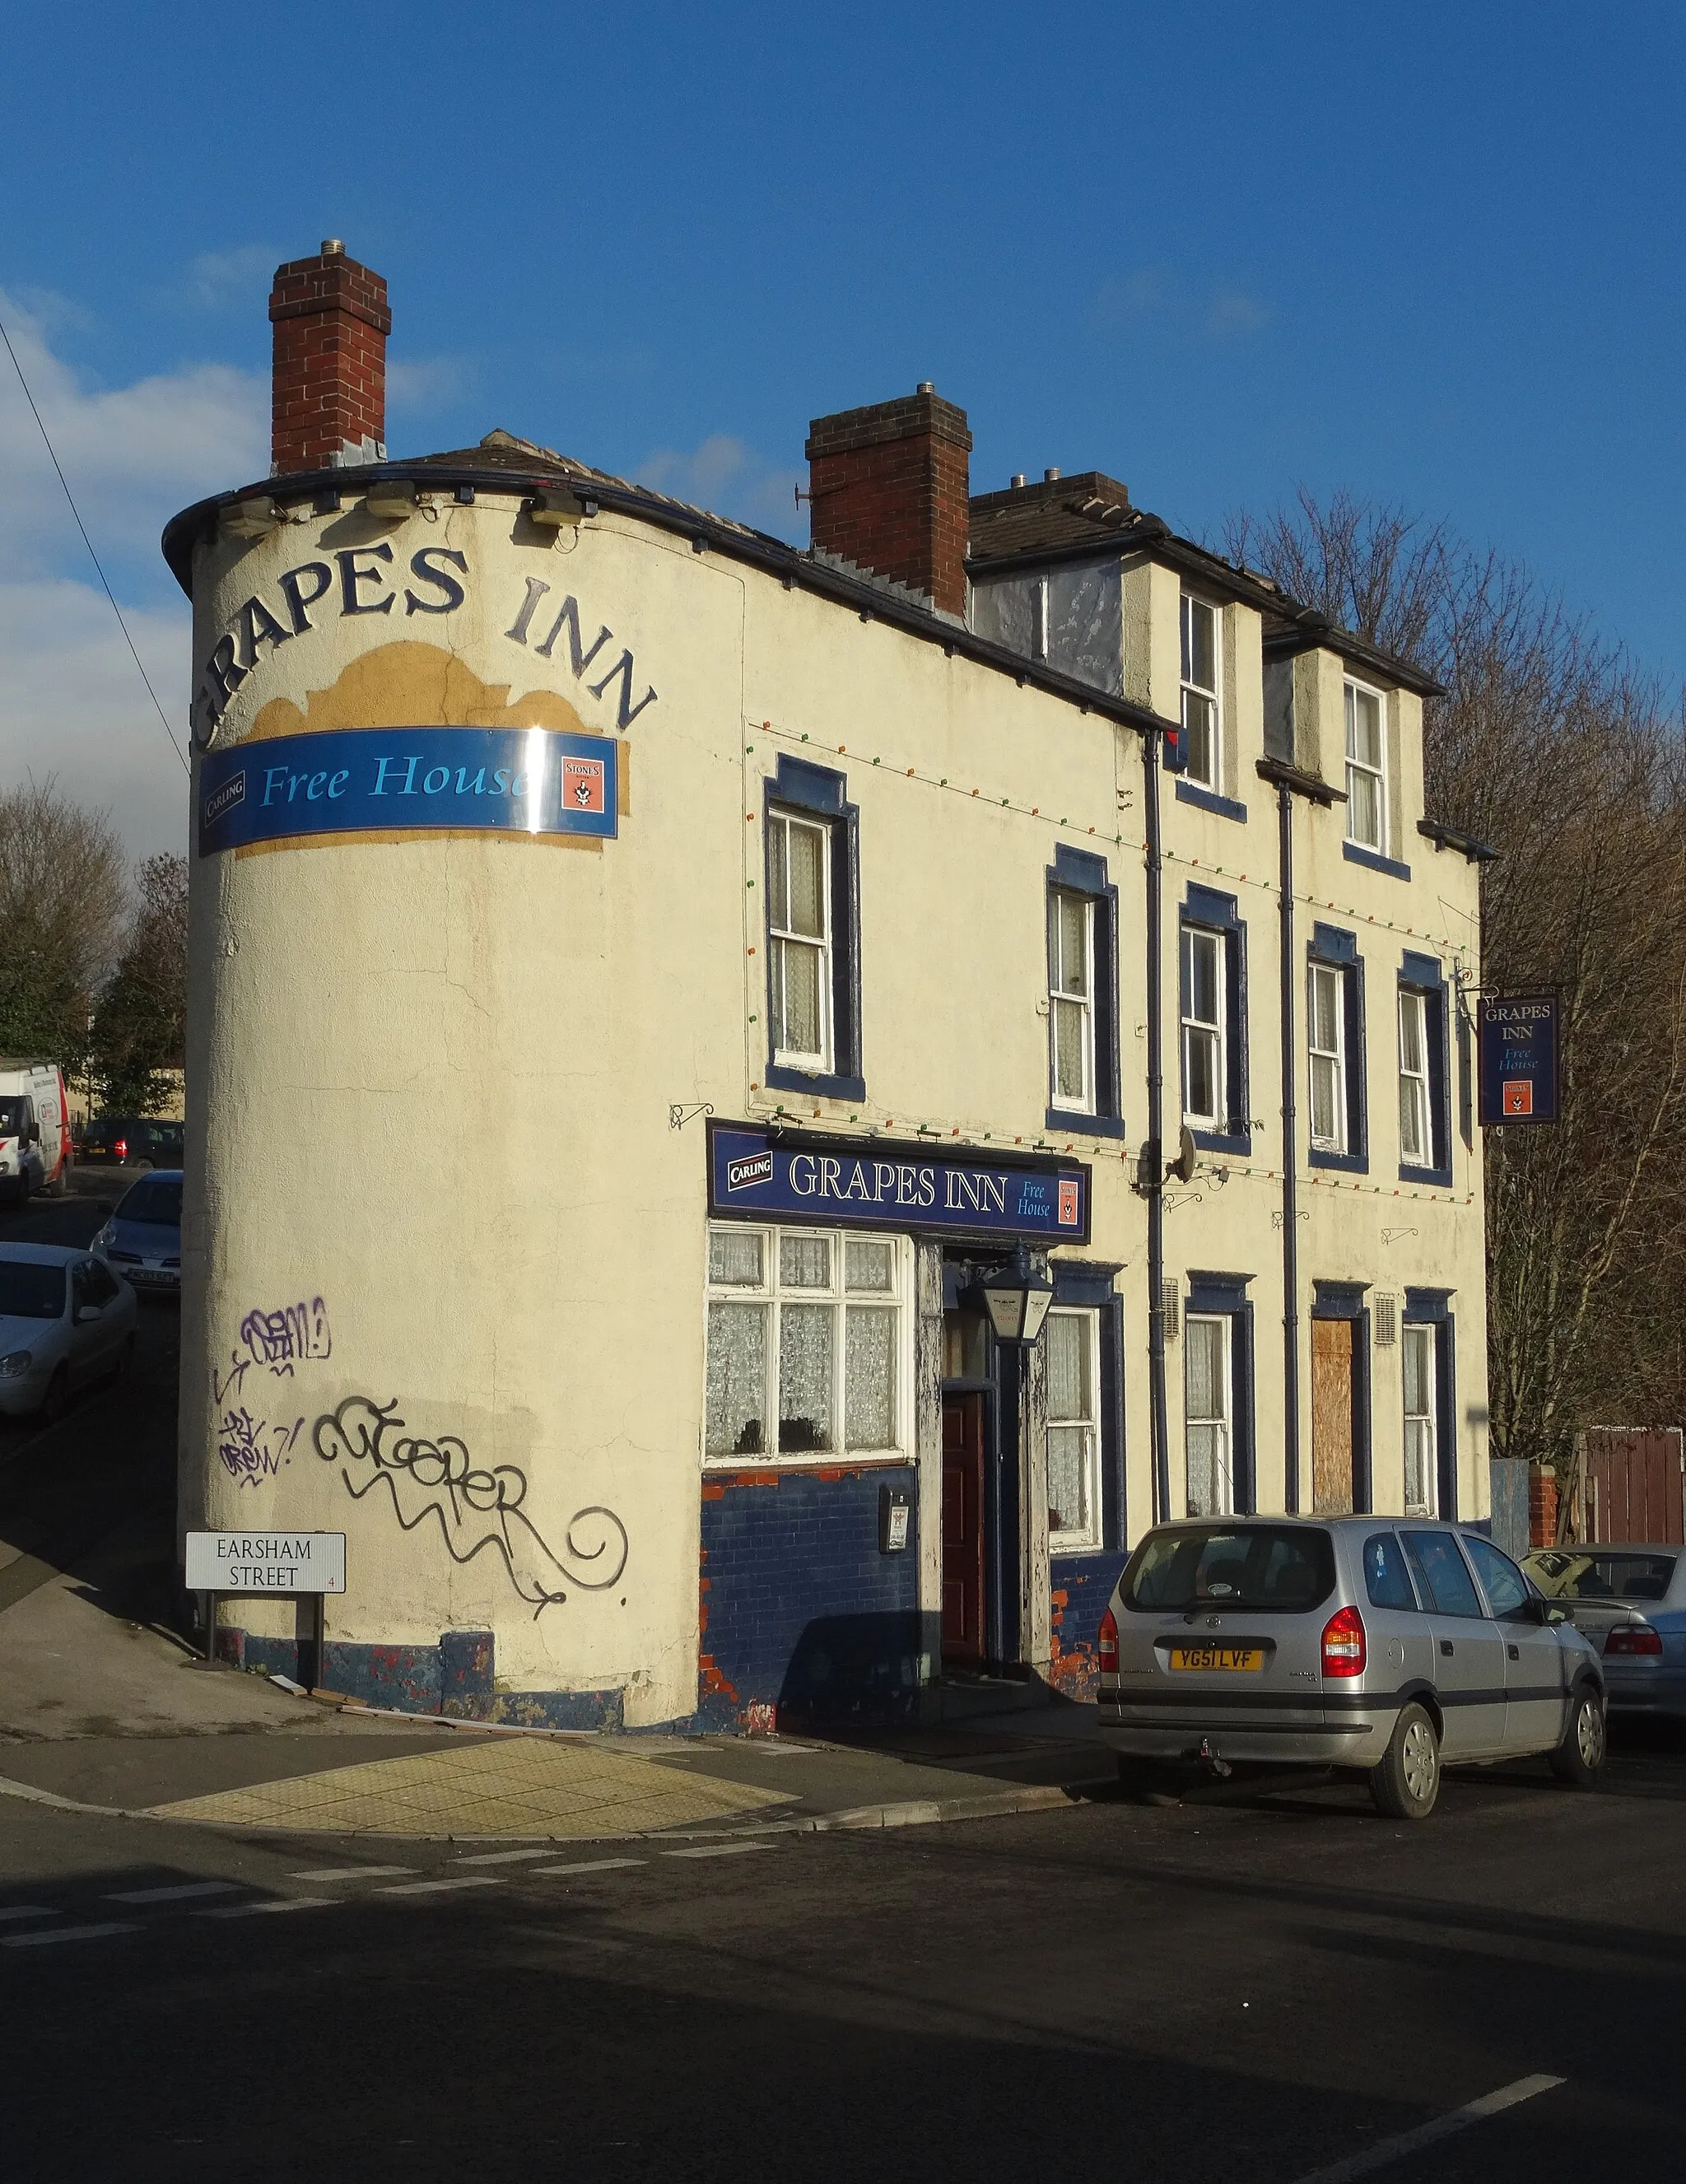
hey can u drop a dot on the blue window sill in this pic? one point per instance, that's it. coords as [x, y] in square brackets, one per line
[1208, 799]
[1347, 1163]
[1239, 1142]
[1087, 1126]
[1373, 861]
[1441, 1177]
[822, 1088]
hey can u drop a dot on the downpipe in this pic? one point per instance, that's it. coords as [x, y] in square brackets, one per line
[1150, 1172]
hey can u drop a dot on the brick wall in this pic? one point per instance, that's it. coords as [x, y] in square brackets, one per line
[329, 391]
[889, 488]
[803, 1620]
[1081, 1585]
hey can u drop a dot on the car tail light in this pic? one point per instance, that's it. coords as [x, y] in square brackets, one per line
[1344, 1646]
[1107, 1644]
[1633, 1638]
[121, 1149]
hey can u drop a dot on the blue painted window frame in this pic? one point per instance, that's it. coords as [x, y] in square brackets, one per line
[1080, 871]
[1225, 1295]
[819, 793]
[1209, 799]
[1333, 945]
[1433, 1308]
[1422, 974]
[1346, 1300]
[1206, 910]
[1374, 862]
[1086, 1285]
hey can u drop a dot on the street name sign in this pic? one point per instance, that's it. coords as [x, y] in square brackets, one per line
[266, 1562]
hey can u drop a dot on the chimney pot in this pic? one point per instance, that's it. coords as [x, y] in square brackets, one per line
[1048, 476]
[328, 401]
[1017, 480]
[926, 387]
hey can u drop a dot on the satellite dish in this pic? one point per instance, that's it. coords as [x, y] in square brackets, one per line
[1182, 1167]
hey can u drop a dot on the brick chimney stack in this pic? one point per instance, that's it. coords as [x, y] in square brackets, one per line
[330, 388]
[888, 492]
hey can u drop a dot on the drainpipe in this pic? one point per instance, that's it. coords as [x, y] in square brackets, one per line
[1150, 1176]
[1290, 1216]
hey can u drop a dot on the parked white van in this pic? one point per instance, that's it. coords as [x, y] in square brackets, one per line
[35, 1128]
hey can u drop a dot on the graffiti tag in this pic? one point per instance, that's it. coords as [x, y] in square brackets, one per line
[276, 1340]
[475, 1508]
[252, 1449]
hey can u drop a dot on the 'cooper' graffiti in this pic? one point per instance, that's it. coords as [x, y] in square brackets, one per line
[475, 1508]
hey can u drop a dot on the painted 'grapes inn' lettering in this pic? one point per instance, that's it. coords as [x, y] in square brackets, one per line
[365, 580]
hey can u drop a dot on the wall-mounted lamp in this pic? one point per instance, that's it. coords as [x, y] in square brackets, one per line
[556, 508]
[251, 518]
[1016, 1298]
[390, 498]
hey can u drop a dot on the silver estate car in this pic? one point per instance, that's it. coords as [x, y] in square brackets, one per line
[1386, 1644]
[1629, 1602]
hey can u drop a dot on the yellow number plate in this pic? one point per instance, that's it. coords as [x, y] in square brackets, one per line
[1238, 1660]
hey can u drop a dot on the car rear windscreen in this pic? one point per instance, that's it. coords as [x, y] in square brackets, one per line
[1615, 1577]
[30, 1291]
[1282, 1567]
[158, 1199]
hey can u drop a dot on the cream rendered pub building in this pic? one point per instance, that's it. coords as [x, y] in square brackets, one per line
[645, 977]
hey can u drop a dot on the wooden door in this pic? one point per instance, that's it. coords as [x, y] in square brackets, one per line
[963, 1527]
[1332, 1417]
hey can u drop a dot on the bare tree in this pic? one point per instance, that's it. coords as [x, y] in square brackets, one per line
[62, 900]
[140, 1026]
[1550, 747]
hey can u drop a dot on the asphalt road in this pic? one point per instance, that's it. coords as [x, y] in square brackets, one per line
[1230, 1993]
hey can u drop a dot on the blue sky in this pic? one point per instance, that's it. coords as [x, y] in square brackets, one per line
[1432, 255]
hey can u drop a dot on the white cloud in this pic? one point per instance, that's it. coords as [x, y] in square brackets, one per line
[1154, 297]
[218, 280]
[418, 385]
[132, 454]
[724, 476]
[72, 706]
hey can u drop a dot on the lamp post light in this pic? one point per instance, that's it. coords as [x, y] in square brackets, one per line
[1016, 1298]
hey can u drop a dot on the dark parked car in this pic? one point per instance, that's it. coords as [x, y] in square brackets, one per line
[131, 1141]
[142, 1239]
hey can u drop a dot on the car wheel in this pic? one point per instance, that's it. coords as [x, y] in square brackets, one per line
[1579, 1759]
[1146, 1781]
[57, 1400]
[1405, 1781]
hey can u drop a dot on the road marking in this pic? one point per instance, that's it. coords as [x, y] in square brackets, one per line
[271, 1903]
[27, 1911]
[718, 1850]
[592, 1865]
[506, 1857]
[1408, 2142]
[349, 1872]
[67, 1934]
[177, 1895]
[437, 1888]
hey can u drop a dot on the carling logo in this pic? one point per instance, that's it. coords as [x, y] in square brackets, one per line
[1068, 1202]
[582, 784]
[232, 792]
[756, 1167]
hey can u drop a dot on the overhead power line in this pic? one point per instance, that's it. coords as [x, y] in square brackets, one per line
[92, 556]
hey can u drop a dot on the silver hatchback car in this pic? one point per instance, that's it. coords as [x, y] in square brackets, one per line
[1385, 1644]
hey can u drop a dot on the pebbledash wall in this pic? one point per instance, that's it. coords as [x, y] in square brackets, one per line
[478, 978]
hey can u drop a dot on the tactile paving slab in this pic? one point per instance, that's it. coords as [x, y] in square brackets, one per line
[506, 1788]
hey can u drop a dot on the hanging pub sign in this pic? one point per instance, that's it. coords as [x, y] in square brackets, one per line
[404, 781]
[1517, 1041]
[877, 1184]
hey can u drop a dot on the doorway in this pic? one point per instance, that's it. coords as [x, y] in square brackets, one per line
[963, 1507]
[1332, 1469]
